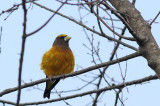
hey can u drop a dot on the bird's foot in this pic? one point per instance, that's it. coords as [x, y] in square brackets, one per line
[50, 77]
[62, 75]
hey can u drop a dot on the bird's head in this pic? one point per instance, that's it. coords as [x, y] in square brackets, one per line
[62, 41]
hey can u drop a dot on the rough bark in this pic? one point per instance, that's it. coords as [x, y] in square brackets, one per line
[142, 32]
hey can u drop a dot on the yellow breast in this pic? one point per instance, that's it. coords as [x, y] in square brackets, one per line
[57, 62]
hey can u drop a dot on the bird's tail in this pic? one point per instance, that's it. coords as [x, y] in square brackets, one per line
[47, 93]
[49, 86]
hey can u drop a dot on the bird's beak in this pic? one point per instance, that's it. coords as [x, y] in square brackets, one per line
[67, 38]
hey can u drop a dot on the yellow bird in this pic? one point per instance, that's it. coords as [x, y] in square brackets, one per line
[59, 60]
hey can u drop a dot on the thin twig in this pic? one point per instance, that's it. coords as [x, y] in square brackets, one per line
[111, 58]
[0, 37]
[121, 18]
[77, 4]
[117, 96]
[14, 7]
[155, 18]
[79, 23]
[127, 38]
[61, 96]
[46, 21]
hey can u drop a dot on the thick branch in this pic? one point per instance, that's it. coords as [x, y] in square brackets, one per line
[147, 44]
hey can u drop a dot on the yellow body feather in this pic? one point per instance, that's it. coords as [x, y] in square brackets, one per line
[57, 61]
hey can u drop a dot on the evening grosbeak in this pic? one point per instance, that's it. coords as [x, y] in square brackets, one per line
[59, 60]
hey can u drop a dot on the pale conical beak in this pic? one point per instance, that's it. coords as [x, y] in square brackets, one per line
[67, 38]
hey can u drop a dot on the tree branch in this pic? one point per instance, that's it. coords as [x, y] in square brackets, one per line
[136, 54]
[155, 18]
[147, 44]
[22, 51]
[46, 21]
[79, 23]
[127, 38]
[139, 81]
[7, 102]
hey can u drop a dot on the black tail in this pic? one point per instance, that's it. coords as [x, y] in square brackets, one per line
[49, 86]
[47, 93]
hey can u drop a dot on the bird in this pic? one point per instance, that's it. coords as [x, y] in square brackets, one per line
[58, 60]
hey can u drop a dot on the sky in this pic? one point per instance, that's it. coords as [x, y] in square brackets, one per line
[146, 94]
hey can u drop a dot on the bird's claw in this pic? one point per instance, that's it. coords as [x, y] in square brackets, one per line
[50, 77]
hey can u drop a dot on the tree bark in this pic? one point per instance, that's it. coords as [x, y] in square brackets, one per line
[142, 33]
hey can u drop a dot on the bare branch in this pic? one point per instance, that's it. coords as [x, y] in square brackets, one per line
[22, 51]
[147, 44]
[79, 23]
[121, 18]
[155, 18]
[7, 102]
[117, 96]
[104, 70]
[14, 7]
[136, 54]
[0, 37]
[127, 38]
[139, 81]
[46, 21]
[77, 4]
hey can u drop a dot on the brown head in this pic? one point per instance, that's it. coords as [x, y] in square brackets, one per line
[62, 41]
